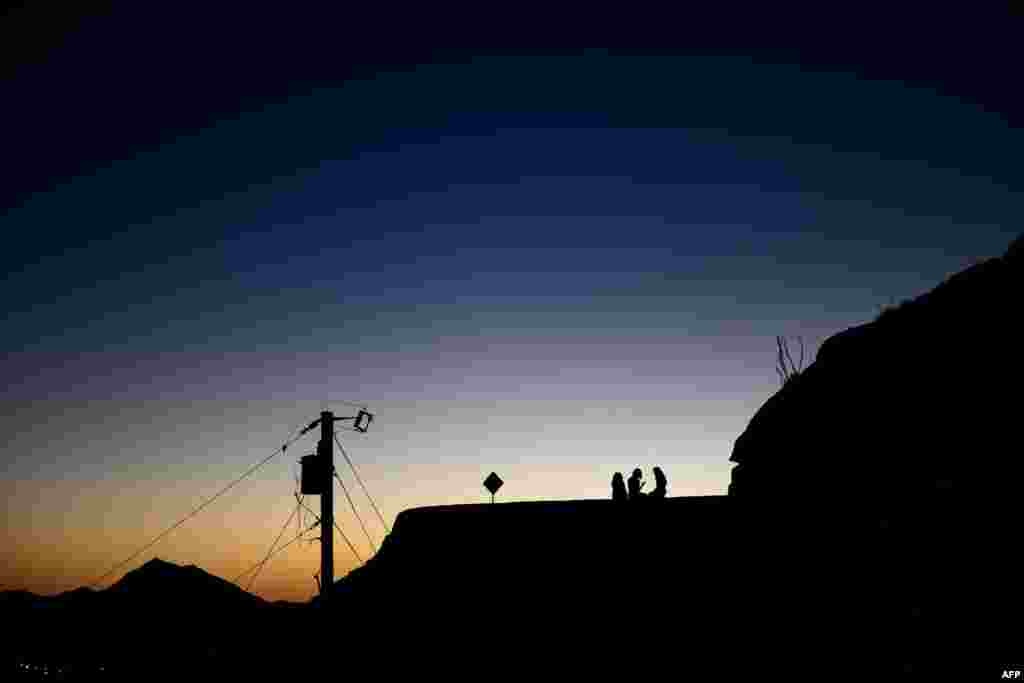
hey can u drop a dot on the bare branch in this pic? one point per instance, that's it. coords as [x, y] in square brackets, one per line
[792, 365]
[785, 367]
[780, 361]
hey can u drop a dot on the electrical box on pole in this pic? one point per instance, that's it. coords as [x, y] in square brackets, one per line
[314, 477]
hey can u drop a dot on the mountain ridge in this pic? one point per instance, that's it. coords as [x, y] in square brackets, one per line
[161, 582]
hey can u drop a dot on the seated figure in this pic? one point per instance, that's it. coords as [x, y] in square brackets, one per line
[635, 484]
[618, 487]
[660, 484]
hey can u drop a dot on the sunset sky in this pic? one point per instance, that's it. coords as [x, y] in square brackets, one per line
[551, 264]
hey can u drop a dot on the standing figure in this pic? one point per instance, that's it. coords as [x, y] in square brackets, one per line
[618, 487]
[660, 484]
[635, 484]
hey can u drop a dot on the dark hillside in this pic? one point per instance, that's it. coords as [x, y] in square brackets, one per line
[901, 442]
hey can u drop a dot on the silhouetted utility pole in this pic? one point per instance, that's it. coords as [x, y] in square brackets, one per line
[317, 473]
[325, 455]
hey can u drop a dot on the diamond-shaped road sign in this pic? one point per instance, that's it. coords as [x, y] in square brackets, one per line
[492, 483]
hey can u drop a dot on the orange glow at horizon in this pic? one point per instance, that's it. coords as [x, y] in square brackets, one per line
[60, 534]
[78, 555]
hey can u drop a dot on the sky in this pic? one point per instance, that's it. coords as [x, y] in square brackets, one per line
[551, 264]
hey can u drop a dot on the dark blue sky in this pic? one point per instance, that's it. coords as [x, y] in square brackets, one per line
[583, 172]
[551, 263]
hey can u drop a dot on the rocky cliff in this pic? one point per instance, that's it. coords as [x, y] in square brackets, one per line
[894, 463]
[919, 402]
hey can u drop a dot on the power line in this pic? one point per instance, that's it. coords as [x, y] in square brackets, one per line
[361, 484]
[373, 546]
[196, 511]
[272, 546]
[349, 543]
[278, 551]
[350, 546]
[300, 521]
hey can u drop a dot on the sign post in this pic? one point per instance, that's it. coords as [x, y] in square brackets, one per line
[492, 483]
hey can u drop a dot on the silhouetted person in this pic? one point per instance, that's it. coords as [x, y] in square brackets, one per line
[660, 484]
[618, 487]
[635, 484]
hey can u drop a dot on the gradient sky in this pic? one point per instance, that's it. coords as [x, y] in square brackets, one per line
[554, 266]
